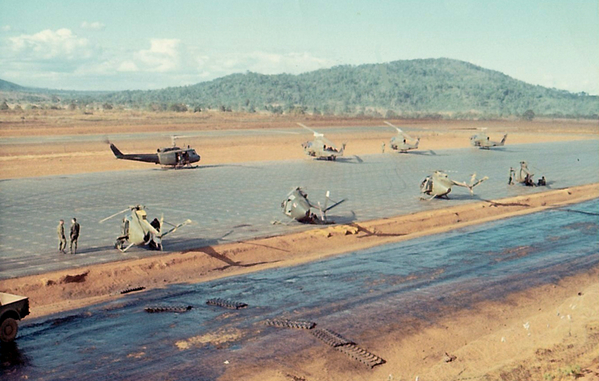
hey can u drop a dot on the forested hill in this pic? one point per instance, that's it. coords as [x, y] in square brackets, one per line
[414, 88]
[9, 86]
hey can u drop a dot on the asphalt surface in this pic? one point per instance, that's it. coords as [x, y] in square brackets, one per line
[361, 295]
[240, 201]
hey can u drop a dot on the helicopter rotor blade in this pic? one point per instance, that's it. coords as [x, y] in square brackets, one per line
[309, 129]
[175, 137]
[391, 125]
[114, 215]
[335, 204]
[399, 130]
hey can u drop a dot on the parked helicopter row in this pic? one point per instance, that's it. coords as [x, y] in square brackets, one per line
[138, 231]
[319, 148]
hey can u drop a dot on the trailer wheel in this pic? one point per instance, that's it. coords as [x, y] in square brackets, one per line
[8, 330]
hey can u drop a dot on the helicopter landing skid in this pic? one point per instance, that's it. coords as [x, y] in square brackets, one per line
[180, 167]
[187, 167]
[120, 247]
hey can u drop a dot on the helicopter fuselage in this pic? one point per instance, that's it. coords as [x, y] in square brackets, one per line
[401, 144]
[169, 156]
[297, 206]
[438, 185]
[318, 149]
[482, 141]
[140, 228]
[175, 156]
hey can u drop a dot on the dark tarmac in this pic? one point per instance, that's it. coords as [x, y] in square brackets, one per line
[240, 201]
[360, 295]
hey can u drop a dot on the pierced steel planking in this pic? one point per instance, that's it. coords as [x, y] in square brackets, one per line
[285, 323]
[226, 303]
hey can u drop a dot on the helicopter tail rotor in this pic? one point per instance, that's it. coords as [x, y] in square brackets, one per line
[117, 153]
[474, 182]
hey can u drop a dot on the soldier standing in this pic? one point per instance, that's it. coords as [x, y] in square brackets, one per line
[62, 240]
[74, 234]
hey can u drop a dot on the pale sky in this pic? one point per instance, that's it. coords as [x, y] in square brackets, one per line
[134, 44]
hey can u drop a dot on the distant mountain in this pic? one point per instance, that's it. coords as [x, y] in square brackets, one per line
[9, 86]
[415, 88]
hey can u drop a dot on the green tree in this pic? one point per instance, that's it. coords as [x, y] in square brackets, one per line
[178, 107]
[528, 115]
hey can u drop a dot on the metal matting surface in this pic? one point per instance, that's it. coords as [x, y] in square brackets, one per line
[233, 202]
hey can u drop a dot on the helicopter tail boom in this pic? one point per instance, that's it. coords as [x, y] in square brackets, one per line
[148, 158]
[117, 153]
[175, 228]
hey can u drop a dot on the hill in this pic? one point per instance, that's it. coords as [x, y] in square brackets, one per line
[9, 86]
[414, 88]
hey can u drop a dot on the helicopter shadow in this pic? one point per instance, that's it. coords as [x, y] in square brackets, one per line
[343, 219]
[209, 166]
[429, 152]
[503, 204]
[206, 246]
[459, 197]
[344, 160]
[499, 149]
[374, 233]
[210, 251]
[90, 250]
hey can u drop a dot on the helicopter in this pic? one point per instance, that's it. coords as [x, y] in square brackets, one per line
[136, 230]
[321, 147]
[439, 185]
[173, 156]
[524, 176]
[402, 142]
[297, 206]
[482, 141]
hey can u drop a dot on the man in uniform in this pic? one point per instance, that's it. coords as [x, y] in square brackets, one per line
[74, 234]
[62, 240]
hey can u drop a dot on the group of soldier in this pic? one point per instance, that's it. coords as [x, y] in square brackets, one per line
[74, 236]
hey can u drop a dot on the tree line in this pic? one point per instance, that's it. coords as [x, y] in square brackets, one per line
[431, 88]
